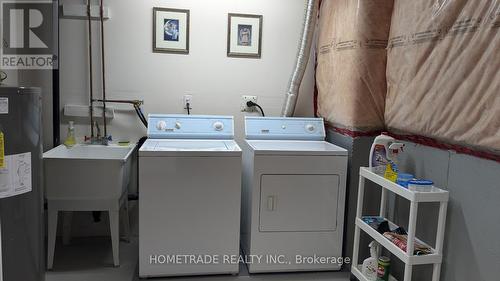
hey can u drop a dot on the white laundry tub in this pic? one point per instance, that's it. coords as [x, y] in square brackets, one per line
[87, 172]
[87, 178]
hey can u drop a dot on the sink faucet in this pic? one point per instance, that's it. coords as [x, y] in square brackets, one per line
[98, 139]
[96, 125]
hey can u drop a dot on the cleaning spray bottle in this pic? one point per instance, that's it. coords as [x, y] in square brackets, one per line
[383, 156]
[392, 170]
[70, 138]
[370, 264]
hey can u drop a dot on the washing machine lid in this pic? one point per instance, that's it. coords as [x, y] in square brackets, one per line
[294, 147]
[189, 147]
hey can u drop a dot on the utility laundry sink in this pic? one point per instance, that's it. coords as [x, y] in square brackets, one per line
[87, 178]
[87, 172]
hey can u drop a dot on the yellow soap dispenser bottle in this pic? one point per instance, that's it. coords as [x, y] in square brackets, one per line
[70, 138]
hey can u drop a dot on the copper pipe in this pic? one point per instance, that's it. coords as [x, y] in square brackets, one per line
[103, 69]
[91, 82]
[134, 102]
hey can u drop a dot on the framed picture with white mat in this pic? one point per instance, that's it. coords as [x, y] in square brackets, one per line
[244, 36]
[170, 31]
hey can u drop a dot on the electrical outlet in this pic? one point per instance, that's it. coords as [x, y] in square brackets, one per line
[244, 100]
[187, 99]
[187, 103]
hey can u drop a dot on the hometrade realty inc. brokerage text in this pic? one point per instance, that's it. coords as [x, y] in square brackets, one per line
[247, 259]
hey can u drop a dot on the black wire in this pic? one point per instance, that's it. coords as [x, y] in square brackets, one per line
[144, 120]
[253, 104]
[188, 108]
[138, 113]
[141, 115]
[261, 110]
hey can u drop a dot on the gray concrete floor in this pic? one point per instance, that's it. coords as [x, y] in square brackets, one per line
[90, 259]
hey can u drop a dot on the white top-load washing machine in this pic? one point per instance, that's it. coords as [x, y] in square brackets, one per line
[293, 196]
[189, 196]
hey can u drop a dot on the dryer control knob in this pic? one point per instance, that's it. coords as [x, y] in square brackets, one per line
[177, 125]
[310, 128]
[161, 125]
[218, 126]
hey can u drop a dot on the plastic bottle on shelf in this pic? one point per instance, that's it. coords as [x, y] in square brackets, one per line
[384, 268]
[378, 153]
[392, 170]
[370, 265]
[383, 156]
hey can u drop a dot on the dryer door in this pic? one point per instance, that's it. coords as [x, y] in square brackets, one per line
[299, 203]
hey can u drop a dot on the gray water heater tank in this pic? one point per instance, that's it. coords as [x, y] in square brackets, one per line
[21, 216]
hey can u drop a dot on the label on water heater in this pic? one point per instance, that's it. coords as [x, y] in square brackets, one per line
[16, 175]
[4, 105]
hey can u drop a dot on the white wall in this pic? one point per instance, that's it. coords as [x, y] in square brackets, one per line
[215, 81]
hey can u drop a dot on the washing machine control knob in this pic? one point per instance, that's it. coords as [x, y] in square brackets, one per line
[177, 125]
[161, 125]
[310, 128]
[218, 126]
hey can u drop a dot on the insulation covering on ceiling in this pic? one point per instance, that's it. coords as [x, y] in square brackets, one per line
[351, 62]
[443, 71]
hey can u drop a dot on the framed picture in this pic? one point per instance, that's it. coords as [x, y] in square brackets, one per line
[170, 31]
[244, 36]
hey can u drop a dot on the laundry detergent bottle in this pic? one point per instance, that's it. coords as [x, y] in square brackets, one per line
[378, 153]
[383, 155]
[370, 265]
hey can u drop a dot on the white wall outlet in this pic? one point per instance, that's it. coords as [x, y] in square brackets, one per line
[244, 100]
[187, 99]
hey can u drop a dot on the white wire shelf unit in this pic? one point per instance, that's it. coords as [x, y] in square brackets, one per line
[408, 258]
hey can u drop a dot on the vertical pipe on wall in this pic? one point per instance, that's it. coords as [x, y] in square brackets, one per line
[103, 70]
[56, 122]
[91, 82]
[303, 55]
